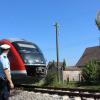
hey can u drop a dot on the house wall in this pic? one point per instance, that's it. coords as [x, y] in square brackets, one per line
[72, 75]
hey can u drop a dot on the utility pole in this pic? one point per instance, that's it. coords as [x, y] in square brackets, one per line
[57, 52]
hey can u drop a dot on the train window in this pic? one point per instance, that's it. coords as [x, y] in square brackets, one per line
[29, 52]
[30, 58]
[26, 45]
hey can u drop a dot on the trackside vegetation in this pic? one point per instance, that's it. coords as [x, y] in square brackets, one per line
[51, 80]
[90, 74]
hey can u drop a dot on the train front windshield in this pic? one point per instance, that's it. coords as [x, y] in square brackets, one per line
[30, 53]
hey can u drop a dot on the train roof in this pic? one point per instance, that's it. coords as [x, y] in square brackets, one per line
[15, 39]
[11, 40]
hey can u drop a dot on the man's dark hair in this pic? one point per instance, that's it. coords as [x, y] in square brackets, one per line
[2, 50]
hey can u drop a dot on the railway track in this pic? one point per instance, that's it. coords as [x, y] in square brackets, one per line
[87, 93]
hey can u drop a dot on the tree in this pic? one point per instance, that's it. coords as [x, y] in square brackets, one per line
[53, 63]
[89, 71]
[98, 71]
[52, 67]
[64, 64]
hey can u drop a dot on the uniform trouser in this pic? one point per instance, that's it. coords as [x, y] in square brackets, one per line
[4, 90]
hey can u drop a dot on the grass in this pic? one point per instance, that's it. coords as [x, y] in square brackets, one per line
[73, 85]
[94, 87]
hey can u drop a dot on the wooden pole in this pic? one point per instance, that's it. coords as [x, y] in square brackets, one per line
[57, 52]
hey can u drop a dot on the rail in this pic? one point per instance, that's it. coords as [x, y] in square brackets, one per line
[88, 93]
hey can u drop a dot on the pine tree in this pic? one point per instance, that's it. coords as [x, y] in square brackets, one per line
[64, 64]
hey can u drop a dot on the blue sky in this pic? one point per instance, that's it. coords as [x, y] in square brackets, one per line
[33, 20]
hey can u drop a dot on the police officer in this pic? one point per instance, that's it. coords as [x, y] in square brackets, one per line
[5, 77]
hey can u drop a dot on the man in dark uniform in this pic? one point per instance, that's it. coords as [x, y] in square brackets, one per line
[5, 76]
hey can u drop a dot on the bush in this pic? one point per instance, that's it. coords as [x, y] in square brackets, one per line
[51, 79]
[91, 72]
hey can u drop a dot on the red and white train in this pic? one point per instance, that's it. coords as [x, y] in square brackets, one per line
[25, 58]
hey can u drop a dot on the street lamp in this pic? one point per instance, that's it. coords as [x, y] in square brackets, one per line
[97, 20]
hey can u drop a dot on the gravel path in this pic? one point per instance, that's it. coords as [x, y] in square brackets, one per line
[25, 95]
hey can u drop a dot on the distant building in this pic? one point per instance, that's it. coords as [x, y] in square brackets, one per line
[72, 74]
[89, 54]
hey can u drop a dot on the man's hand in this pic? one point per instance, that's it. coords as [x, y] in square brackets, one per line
[11, 85]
